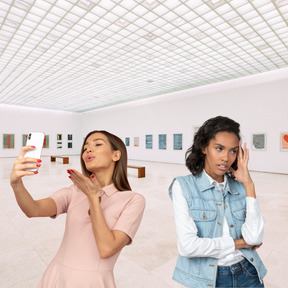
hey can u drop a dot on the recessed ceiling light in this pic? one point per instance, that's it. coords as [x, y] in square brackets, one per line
[236, 21]
[101, 37]
[52, 37]
[22, 5]
[179, 21]
[150, 36]
[172, 47]
[216, 3]
[96, 65]
[11, 23]
[122, 22]
[150, 4]
[66, 23]
[251, 35]
[85, 4]
[199, 36]
[150, 81]
[262, 47]
[281, 3]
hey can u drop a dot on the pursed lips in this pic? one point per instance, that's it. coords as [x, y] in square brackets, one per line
[89, 158]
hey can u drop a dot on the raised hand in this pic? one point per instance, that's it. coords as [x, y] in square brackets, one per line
[89, 186]
[242, 173]
[22, 163]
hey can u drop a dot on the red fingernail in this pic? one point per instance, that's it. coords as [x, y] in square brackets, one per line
[68, 171]
[39, 160]
[92, 176]
[35, 172]
[69, 177]
[72, 170]
[38, 165]
[33, 146]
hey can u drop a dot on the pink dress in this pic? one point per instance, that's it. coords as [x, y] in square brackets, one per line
[77, 263]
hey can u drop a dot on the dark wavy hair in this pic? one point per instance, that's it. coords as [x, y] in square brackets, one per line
[195, 159]
[119, 176]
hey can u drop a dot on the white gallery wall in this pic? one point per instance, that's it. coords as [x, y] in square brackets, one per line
[20, 120]
[259, 103]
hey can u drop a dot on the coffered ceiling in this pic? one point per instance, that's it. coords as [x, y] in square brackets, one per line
[81, 55]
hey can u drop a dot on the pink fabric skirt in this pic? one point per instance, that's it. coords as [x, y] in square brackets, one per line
[58, 275]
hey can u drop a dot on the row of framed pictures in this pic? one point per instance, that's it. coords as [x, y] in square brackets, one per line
[259, 141]
[162, 141]
[9, 141]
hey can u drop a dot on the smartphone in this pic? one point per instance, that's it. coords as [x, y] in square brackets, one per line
[34, 139]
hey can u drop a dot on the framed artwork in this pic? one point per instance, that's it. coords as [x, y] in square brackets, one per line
[284, 141]
[59, 137]
[162, 141]
[127, 141]
[149, 141]
[259, 142]
[136, 141]
[46, 141]
[69, 137]
[8, 141]
[59, 145]
[195, 130]
[24, 139]
[177, 141]
[69, 144]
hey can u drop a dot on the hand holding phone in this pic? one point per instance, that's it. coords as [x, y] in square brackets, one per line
[34, 139]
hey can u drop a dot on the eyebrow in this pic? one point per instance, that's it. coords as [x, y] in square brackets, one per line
[236, 147]
[94, 140]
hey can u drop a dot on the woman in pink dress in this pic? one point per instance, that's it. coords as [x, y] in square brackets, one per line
[103, 214]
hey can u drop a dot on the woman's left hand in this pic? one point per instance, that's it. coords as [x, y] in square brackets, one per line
[89, 186]
[242, 173]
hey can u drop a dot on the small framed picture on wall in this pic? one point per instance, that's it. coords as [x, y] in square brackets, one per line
[284, 142]
[259, 141]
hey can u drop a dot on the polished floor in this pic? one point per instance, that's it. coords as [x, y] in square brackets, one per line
[28, 245]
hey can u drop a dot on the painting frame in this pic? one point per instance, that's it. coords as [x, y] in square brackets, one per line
[284, 141]
[259, 141]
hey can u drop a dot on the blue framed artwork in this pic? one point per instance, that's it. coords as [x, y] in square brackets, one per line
[177, 141]
[162, 141]
[127, 141]
[149, 141]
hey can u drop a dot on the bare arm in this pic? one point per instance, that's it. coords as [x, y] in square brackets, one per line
[108, 242]
[31, 207]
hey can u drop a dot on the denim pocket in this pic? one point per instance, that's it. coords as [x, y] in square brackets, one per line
[251, 271]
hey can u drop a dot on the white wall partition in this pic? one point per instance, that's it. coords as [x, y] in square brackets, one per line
[259, 103]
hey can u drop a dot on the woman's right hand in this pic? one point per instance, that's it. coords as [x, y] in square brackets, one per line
[22, 163]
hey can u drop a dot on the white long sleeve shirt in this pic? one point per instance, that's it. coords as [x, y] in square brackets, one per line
[221, 248]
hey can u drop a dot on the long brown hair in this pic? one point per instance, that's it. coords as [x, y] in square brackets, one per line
[119, 176]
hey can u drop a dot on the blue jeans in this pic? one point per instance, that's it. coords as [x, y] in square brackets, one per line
[242, 274]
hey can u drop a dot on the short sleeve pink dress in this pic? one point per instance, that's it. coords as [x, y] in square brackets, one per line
[77, 263]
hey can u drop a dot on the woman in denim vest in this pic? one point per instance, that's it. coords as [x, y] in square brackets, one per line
[218, 221]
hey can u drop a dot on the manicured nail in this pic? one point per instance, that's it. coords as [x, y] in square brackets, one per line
[38, 165]
[72, 170]
[35, 172]
[92, 176]
[68, 171]
[69, 177]
[33, 147]
[39, 160]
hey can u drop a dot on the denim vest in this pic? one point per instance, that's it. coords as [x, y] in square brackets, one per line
[207, 208]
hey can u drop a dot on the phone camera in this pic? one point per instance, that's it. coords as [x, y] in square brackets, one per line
[29, 136]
